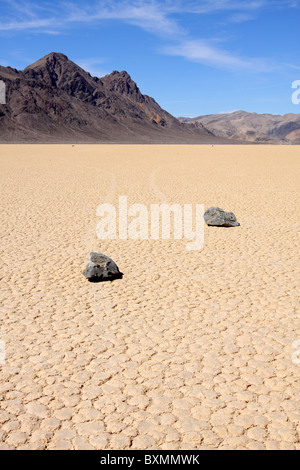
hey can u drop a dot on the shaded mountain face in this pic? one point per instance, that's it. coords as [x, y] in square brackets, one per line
[252, 127]
[55, 100]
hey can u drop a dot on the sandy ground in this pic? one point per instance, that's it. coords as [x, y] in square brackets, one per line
[191, 349]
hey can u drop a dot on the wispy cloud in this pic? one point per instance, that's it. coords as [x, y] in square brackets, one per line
[297, 67]
[152, 16]
[28, 25]
[160, 18]
[204, 52]
[208, 7]
[241, 17]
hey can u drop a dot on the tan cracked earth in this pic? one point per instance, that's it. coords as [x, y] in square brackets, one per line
[191, 349]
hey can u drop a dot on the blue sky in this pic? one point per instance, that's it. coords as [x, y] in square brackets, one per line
[192, 57]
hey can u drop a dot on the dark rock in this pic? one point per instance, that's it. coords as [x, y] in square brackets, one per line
[218, 217]
[101, 268]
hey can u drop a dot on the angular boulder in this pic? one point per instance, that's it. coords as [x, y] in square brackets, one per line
[101, 268]
[218, 217]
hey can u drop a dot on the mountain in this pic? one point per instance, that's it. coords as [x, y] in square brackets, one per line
[55, 100]
[252, 127]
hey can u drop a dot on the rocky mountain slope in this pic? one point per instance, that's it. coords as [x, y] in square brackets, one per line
[252, 127]
[55, 100]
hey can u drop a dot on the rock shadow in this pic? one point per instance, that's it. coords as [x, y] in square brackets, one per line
[111, 278]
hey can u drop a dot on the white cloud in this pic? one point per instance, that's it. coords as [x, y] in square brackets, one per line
[293, 66]
[26, 25]
[203, 52]
[241, 17]
[151, 16]
[148, 16]
[208, 6]
[157, 17]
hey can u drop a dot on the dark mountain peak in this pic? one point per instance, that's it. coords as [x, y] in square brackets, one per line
[123, 73]
[56, 56]
[121, 82]
[52, 59]
[56, 70]
[56, 100]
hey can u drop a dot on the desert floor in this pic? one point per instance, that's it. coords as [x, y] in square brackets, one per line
[191, 349]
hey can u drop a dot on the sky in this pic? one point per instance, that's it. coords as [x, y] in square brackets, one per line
[193, 57]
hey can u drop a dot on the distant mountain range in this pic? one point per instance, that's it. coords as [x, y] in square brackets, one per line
[252, 127]
[55, 100]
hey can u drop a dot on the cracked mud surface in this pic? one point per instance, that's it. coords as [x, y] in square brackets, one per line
[191, 349]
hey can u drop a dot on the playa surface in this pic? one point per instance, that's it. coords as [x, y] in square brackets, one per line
[191, 349]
